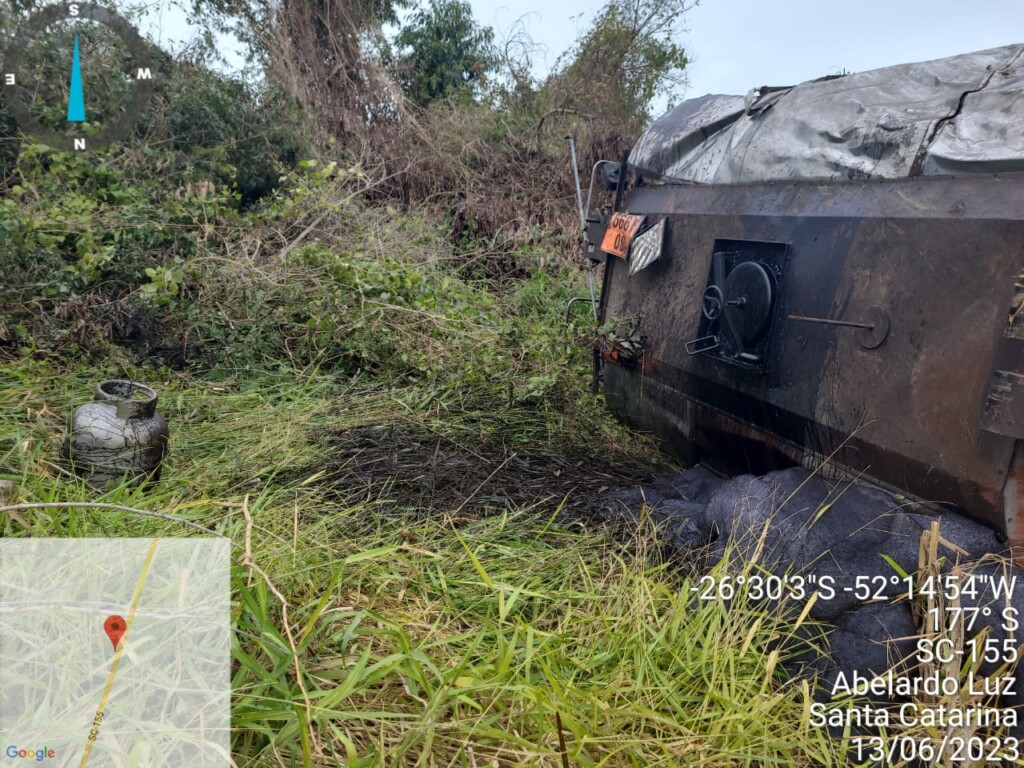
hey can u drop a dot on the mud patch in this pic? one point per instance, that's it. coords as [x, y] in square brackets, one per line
[406, 469]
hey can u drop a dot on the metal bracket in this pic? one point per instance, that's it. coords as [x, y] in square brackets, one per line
[692, 347]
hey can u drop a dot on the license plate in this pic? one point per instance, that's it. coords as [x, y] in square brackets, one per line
[621, 229]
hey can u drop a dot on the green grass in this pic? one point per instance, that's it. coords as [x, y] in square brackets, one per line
[461, 647]
[373, 628]
[420, 640]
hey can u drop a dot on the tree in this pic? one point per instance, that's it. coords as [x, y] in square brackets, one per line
[624, 61]
[321, 52]
[443, 52]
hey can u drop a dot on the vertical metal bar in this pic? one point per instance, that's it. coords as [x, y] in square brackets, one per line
[576, 177]
[620, 187]
[606, 282]
[583, 220]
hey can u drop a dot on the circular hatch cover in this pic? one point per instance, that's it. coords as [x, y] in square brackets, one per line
[748, 301]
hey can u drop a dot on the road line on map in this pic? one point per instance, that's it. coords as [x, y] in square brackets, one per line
[98, 718]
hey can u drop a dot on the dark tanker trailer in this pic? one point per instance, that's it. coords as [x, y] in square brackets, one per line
[830, 275]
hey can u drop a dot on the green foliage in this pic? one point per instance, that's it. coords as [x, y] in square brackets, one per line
[164, 286]
[497, 627]
[74, 219]
[229, 132]
[256, 22]
[127, 262]
[443, 52]
[628, 57]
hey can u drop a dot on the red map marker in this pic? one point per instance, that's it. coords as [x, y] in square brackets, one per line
[115, 626]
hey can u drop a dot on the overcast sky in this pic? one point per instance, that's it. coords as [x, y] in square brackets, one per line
[736, 45]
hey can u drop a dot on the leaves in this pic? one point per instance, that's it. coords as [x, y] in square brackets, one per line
[163, 287]
[443, 52]
[624, 61]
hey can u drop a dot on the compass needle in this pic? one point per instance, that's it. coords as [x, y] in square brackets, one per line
[117, 74]
[76, 100]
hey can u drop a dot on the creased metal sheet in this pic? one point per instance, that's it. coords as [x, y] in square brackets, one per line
[988, 134]
[959, 115]
[646, 247]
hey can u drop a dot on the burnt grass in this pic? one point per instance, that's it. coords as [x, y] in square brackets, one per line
[413, 472]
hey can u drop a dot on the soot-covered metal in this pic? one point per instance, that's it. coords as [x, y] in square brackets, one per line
[868, 324]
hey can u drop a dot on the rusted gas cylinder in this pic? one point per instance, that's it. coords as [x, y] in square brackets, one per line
[119, 434]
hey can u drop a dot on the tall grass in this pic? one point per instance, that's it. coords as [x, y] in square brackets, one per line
[362, 641]
[466, 647]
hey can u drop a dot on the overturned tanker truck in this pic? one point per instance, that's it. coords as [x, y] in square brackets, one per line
[830, 275]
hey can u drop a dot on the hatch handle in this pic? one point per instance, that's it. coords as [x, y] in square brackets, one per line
[829, 321]
[871, 334]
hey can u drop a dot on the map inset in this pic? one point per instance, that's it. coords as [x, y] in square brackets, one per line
[115, 652]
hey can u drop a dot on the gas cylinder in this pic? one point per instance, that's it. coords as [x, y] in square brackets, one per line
[118, 435]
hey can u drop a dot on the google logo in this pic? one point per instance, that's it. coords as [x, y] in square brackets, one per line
[30, 754]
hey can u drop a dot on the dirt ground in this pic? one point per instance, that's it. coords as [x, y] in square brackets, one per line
[403, 469]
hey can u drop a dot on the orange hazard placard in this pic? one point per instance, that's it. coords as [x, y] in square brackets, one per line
[621, 229]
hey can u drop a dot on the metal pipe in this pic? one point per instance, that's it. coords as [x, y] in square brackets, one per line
[568, 307]
[824, 321]
[583, 221]
[590, 282]
[593, 175]
[592, 265]
[576, 176]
